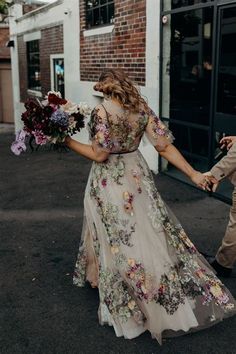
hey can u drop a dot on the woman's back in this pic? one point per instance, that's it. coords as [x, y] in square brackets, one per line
[117, 130]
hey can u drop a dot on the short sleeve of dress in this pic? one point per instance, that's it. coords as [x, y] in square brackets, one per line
[157, 132]
[99, 131]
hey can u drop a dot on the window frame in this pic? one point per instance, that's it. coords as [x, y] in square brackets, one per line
[29, 52]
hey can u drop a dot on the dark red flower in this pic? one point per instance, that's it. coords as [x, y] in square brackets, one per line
[54, 99]
[31, 104]
[79, 118]
[48, 111]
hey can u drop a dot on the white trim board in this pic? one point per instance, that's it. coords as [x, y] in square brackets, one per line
[33, 36]
[98, 31]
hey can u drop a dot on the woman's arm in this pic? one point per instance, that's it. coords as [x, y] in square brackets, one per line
[173, 155]
[86, 150]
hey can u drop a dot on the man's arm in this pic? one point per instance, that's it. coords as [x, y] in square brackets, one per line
[226, 165]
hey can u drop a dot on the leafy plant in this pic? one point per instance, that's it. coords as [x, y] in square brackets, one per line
[3, 7]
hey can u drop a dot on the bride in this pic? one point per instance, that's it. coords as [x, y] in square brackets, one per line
[149, 274]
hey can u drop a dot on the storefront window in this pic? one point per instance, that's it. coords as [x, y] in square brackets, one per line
[198, 86]
[187, 71]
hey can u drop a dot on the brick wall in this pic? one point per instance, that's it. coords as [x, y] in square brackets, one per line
[123, 48]
[51, 42]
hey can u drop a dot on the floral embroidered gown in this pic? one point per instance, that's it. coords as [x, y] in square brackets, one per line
[149, 274]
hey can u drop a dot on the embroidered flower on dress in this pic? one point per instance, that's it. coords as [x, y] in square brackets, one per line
[115, 294]
[136, 176]
[104, 182]
[128, 202]
[142, 282]
[79, 276]
[115, 249]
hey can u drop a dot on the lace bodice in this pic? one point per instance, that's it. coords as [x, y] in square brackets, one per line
[114, 129]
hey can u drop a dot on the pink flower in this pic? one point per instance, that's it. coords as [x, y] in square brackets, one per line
[40, 138]
[19, 144]
[18, 147]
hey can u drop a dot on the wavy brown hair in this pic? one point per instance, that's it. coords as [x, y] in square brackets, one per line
[116, 84]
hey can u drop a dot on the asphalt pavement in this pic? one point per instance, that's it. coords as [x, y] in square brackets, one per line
[41, 213]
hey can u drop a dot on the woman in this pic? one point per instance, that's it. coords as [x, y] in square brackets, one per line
[149, 274]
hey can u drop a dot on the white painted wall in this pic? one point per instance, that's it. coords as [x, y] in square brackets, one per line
[75, 89]
[151, 90]
[15, 11]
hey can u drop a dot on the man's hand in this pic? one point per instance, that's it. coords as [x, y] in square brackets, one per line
[227, 142]
[212, 182]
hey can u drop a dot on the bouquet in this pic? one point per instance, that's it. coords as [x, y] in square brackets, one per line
[49, 121]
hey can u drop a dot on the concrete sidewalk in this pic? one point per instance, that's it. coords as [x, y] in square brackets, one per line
[41, 218]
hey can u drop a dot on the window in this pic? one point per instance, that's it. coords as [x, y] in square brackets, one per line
[33, 65]
[99, 12]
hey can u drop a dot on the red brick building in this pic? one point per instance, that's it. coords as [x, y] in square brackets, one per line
[50, 42]
[124, 47]
[64, 45]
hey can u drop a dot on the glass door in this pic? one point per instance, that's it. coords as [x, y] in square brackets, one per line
[225, 95]
[186, 84]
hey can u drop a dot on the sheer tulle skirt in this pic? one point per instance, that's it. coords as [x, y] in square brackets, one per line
[149, 274]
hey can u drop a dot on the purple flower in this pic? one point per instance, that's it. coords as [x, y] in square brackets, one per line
[19, 144]
[40, 138]
[60, 118]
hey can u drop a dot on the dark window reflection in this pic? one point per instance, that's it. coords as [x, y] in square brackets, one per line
[190, 140]
[175, 4]
[188, 45]
[191, 66]
[226, 102]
